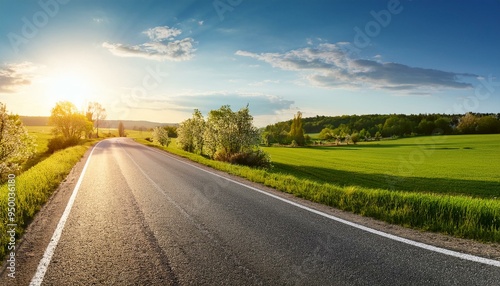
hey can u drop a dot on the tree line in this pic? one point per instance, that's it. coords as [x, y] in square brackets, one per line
[351, 128]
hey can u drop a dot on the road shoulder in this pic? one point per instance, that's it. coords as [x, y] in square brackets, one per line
[34, 241]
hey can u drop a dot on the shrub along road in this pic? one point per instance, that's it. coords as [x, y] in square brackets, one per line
[142, 216]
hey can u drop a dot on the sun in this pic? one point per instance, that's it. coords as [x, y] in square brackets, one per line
[69, 87]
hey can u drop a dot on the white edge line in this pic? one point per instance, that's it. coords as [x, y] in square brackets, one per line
[49, 251]
[445, 251]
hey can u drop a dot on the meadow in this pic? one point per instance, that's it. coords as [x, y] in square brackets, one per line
[461, 164]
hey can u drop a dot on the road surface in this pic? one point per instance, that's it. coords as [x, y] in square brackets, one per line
[144, 217]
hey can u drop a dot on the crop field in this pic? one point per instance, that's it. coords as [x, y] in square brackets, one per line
[466, 165]
[42, 135]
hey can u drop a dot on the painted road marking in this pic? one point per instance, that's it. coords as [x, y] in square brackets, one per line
[51, 248]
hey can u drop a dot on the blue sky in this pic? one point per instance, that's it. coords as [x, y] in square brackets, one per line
[158, 60]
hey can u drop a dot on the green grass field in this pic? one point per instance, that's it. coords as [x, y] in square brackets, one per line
[467, 165]
[42, 136]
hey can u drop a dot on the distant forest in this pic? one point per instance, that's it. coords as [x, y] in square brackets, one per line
[388, 125]
[129, 124]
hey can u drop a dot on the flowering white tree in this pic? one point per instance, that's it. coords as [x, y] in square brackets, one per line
[160, 136]
[16, 145]
[226, 135]
[229, 132]
[190, 133]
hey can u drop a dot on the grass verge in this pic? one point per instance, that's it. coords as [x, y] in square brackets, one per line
[457, 215]
[33, 188]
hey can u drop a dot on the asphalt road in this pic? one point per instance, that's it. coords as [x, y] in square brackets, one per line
[143, 217]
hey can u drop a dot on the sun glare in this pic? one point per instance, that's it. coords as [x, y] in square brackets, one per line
[69, 87]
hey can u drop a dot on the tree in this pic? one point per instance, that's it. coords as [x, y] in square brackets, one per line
[190, 133]
[172, 131]
[468, 124]
[364, 135]
[121, 130]
[16, 145]
[368, 136]
[185, 135]
[68, 122]
[355, 138]
[443, 125]
[228, 133]
[278, 133]
[347, 138]
[219, 132]
[247, 135]
[488, 125]
[296, 130]
[198, 130]
[397, 125]
[230, 136]
[96, 114]
[266, 138]
[426, 127]
[326, 134]
[342, 130]
[160, 136]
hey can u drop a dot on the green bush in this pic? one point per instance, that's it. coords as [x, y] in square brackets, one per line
[253, 158]
[220, 155]
[59, 143]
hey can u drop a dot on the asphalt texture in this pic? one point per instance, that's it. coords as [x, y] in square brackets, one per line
[144, 217]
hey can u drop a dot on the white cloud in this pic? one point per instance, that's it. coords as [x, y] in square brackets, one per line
[162, 46]
[99, 20]
[158, 34]
[264, 82]
[333, 65]
[259, 104]
[14, 76]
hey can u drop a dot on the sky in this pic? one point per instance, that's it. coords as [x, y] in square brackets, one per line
[160, 60]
